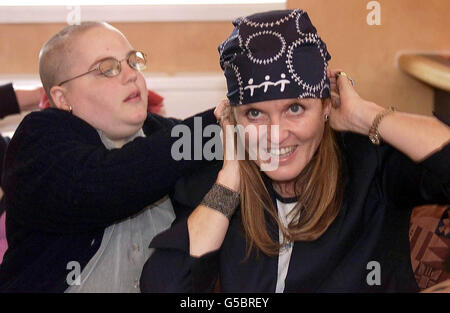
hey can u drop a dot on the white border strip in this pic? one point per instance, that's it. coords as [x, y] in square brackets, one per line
[133, 13]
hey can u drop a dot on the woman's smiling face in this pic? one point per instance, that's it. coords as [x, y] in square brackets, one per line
[300, 124]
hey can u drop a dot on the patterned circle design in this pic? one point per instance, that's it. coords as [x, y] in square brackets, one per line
[297, 23]
[266, 60]
[308, 87]
[325, 87]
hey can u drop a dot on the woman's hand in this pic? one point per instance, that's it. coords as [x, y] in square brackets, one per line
[207, 227]
[349, 111]
[415, 135]
[229, 175]
[29, 99]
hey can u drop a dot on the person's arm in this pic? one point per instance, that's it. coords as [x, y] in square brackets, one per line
[413, 160]
[171, 268]
[186, 258]
[61, 178]
[207, 227]
[8, 101]
[29, 99]
[13, 101]
[415, 135]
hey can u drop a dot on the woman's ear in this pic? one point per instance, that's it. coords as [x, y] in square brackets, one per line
[326, 105]
[58, 95]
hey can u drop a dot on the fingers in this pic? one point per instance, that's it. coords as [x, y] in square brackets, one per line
[332, 73]
[341, 86]
[343, 82]
[222, 112]
[334, 91]
[335, 99]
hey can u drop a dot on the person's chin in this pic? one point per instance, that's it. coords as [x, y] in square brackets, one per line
[139, 112]
[286, 172]
[282, 175]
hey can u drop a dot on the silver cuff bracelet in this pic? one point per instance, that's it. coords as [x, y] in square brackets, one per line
[222, 199]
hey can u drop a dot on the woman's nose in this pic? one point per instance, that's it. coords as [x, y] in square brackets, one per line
[278, 133]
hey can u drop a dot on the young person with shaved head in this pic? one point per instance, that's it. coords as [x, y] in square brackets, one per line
[82, 178]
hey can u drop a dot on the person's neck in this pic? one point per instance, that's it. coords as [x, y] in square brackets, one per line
[285, 189]
[120, 142]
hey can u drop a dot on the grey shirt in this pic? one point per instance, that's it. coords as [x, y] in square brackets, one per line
[117, 265]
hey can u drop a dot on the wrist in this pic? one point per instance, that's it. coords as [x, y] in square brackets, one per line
[28, 99]
[229, 177]
[222, 199]
[365, 117]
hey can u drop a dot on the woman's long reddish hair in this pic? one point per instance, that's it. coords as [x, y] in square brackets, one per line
[319, 194]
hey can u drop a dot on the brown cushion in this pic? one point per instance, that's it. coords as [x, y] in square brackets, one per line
[429, 235]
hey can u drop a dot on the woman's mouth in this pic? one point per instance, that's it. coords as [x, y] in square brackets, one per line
[280, 156]
[133, 97]
[283, 152]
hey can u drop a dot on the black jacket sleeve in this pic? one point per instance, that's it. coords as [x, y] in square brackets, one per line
[407, 184]
[60, 178]
[171, 268]
[8, 101]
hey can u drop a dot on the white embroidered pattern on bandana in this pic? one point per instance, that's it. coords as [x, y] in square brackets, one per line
[311, 38]
[271, 24]
[267, 60]
[239, 79]
[267, 83]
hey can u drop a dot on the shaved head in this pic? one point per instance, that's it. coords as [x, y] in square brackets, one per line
[115, 105]
[57, 55]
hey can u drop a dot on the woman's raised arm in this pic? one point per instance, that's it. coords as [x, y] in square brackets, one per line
[417, 136]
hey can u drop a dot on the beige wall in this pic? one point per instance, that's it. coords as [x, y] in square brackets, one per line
[366, 52]
[172, 47]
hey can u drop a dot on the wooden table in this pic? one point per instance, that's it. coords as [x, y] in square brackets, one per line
[433, 70]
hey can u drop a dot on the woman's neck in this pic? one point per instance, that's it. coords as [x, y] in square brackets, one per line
[285, 189]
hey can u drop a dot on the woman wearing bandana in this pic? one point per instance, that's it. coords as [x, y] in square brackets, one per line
[333, 214]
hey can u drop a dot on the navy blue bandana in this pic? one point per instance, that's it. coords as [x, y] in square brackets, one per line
[274, 55]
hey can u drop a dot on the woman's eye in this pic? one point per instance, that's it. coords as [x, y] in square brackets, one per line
[253, 113]
[295, 108]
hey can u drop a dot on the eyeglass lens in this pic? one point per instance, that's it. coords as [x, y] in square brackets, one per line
[112, 67]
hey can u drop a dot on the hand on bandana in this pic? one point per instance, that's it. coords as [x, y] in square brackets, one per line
[229, 175]
[349, 110]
